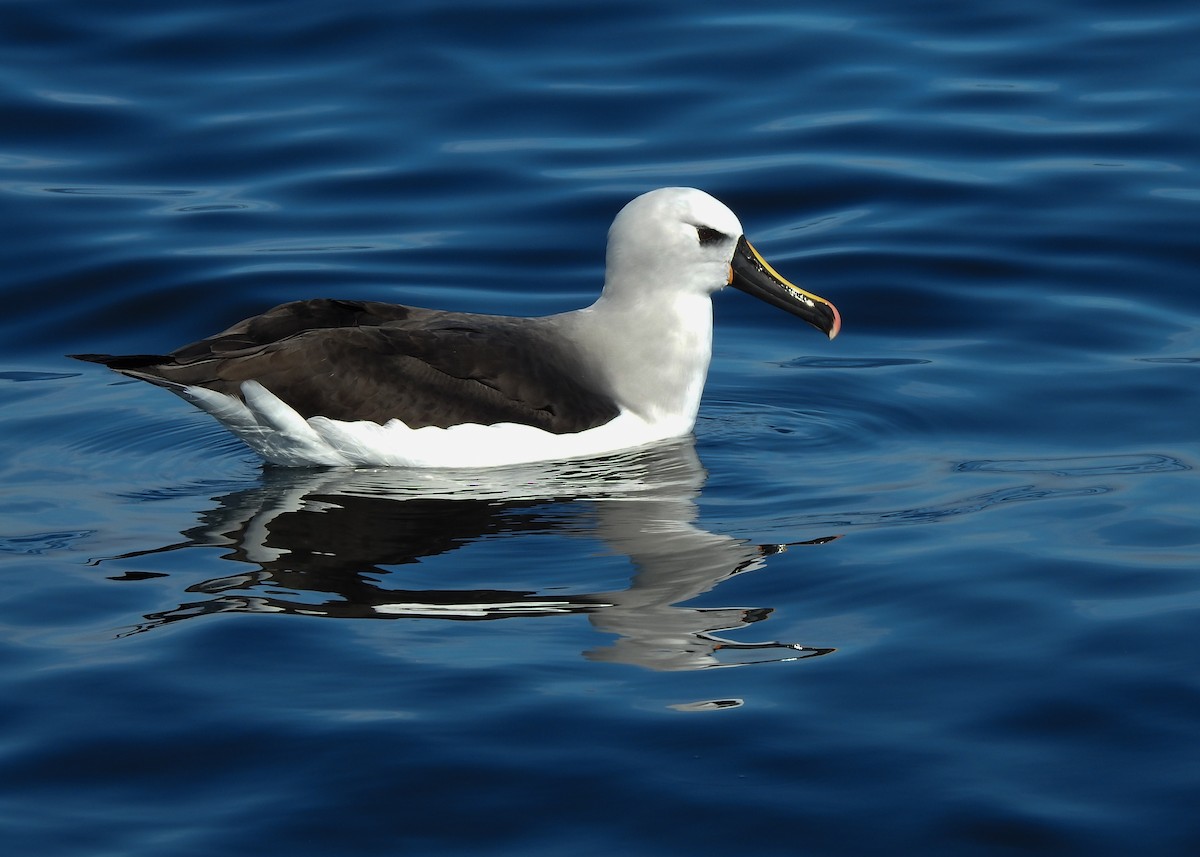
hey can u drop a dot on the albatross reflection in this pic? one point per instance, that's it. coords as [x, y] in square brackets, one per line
[315, 541]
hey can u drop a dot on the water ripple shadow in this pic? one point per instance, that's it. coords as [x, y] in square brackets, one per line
[1094, 465]
[850, 362]
[951, 509]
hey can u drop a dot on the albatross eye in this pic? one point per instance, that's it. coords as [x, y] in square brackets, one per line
[709, 236]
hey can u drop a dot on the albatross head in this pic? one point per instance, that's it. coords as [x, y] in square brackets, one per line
[680, 241]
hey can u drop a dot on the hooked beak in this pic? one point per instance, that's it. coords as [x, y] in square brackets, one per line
[751, 273]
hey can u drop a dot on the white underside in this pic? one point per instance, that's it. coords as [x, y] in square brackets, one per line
[280, 435]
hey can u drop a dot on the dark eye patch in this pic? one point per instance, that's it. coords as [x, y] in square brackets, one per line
[708, 235]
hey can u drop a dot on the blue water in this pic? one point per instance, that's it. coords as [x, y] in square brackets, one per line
[997, 656]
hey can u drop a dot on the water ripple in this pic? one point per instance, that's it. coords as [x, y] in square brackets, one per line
[934, 170]
[935, 513]
[315, 245]
[215, 199]
[995, 85]
[40, 543]
[1030, 124]
[1096, 465]
[540, 144]
[850, 362]
[21, 376]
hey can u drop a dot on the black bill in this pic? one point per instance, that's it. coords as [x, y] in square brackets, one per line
[750, 272]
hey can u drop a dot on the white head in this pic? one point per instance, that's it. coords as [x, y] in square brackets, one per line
[675, 244]
[650, 332]
[677, 239]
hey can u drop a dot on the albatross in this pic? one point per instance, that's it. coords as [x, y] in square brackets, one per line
[334, 382]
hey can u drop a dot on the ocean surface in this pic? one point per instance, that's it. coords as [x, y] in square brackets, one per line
[932, 588]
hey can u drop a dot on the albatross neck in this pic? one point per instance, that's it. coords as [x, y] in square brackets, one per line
[653, 352]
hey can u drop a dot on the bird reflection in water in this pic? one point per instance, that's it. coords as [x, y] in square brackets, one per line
[323, 535]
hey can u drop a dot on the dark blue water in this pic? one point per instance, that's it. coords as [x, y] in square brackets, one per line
[998, 656]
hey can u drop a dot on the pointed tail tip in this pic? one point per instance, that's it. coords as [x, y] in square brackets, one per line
[92, 358]
[122, 361]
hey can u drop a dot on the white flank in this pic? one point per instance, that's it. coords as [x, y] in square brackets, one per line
[280, 435]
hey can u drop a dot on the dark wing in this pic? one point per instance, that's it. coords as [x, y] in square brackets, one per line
[359, 360]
